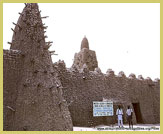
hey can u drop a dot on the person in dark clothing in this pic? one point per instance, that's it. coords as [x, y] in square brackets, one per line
[129, 113]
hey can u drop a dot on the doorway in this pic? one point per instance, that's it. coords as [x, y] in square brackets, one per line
[137, 111]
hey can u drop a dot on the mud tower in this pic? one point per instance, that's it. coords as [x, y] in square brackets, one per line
[85, 57]
[33, 100]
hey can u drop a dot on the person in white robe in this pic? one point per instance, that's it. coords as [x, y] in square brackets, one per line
[119, 114]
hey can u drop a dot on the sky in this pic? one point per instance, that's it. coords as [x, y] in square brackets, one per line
[125, 36]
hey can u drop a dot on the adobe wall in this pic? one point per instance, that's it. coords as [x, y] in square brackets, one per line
[82, 87]
[35, 89]
[36, 104]
[12, 70]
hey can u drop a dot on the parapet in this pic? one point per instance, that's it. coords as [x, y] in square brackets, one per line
[84, 69]
[98, 70]
[132, 76]
[140, 77]
[157, 80]
[60, 65]
[74, 68]
[11, 55]
[121, 74]
[148, 79]
[109, 72]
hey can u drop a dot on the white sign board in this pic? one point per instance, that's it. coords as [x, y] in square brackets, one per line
[103, 108]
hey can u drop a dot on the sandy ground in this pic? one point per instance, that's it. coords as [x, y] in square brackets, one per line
[137, 127]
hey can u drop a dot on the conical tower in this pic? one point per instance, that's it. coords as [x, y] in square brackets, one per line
[85, 57]
[39, 105]
[84, 43]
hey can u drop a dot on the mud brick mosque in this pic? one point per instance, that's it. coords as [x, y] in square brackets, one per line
[44, 96]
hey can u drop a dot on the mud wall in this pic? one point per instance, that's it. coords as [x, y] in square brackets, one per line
[12, 70]
[82, 87]
[36, 102]
[35, 89]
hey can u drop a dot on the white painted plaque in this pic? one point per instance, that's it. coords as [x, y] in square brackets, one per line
[103, 108]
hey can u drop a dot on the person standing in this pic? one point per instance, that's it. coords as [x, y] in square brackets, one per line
[129, 113]
[119, 114]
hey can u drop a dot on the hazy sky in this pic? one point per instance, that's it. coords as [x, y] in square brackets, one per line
[126, 37]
